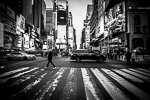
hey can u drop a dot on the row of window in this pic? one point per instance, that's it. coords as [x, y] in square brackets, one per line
[138, 28]
[142, 29]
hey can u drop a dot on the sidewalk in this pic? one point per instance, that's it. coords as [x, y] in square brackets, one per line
[143, 64]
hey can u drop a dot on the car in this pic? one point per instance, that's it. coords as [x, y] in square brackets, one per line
[20, 56]
[82, 54]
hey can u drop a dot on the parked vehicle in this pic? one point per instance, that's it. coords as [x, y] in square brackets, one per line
[20, 56]
[81, 54]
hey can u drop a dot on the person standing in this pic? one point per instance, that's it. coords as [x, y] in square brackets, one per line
[128, 57]
[50, 54]
[133, 56]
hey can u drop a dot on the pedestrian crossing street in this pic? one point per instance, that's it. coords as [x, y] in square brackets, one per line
[64, 83]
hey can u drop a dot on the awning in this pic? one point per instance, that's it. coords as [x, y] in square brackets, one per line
[112, 3]
[94, 42]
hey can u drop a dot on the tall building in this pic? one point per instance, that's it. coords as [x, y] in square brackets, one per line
[87, 26]
[93, 24]
[49, 27]
[37, 10]
[39, 22]
[8, 27]
[43, 20]
[23, 18]
[61, 27]
[70, 32]
[49, 23]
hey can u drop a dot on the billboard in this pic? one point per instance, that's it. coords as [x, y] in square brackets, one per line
[1, 35]
[61, 12]
[62, 18]
[115, 18]
[61, 4]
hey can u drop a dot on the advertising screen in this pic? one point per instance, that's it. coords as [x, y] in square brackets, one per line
[115, 18]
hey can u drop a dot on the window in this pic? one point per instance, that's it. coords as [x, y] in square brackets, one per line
[137, 23]
[144, 29]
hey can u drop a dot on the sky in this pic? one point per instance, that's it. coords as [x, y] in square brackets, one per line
[78, 9]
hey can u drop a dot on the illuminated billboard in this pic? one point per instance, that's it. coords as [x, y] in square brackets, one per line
[115, 18]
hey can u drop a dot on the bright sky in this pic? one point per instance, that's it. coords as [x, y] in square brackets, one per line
[78, 9]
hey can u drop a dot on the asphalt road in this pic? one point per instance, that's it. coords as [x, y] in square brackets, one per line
[87, 80]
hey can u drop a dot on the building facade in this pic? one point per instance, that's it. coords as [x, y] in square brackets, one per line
[49, 27]
[121, 25]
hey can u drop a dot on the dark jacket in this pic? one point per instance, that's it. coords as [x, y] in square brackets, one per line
[50, 55]
[128, 55]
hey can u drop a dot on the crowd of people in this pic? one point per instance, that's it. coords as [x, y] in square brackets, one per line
[130, 57]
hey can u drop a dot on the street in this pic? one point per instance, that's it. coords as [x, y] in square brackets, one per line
[87, 80]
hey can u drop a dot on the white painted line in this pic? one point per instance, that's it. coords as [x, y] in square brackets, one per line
[13, 71]
[132, 88]
[137, 75]
[140, 72]
[112, 89]
[128, 76]
[90, 88]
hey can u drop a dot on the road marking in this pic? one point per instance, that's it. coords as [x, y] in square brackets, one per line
[135, 90]
[19, 74]
[13, 71]
[128, 76]
[112, 89]
[50, 86]
[90, 88]
[136, 74]
[70, 88]
[140, 72]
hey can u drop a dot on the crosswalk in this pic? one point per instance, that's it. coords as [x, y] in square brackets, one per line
[66, 83]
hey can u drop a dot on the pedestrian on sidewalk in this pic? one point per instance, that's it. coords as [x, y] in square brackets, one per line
[133, 56]
[50, 54]
[128, 57]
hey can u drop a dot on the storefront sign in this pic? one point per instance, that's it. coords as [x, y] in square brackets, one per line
[20, 25]
[22, 22]
[26, 41]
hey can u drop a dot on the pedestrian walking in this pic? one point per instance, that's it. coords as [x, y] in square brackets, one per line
[128, 57]
[49, 58]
